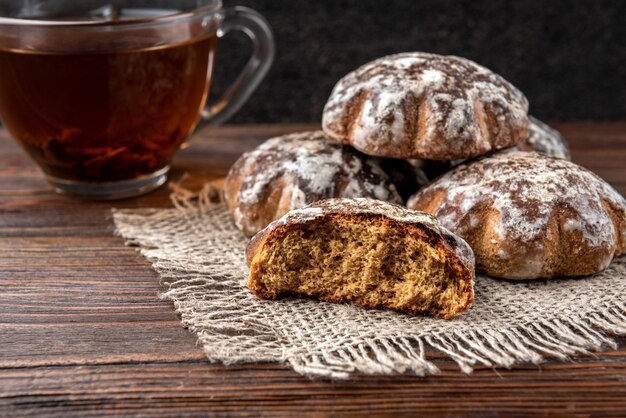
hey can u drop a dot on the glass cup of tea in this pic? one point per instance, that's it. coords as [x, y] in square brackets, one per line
[102, 93]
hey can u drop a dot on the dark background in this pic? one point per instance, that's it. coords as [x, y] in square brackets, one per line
[568, 57]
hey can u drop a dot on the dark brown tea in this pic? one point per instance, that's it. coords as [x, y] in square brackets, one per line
[105, 116]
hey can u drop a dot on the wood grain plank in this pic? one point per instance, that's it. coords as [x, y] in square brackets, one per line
[190, 387]
[84, 332]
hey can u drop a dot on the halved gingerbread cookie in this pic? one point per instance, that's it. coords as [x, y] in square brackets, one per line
[367, 252]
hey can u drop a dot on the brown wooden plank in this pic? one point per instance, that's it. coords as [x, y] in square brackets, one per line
[83, 330]
[193, 387]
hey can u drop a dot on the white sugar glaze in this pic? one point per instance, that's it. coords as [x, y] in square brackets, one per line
[544, 139]
[305, 167]
[526, 188]
[456, 93]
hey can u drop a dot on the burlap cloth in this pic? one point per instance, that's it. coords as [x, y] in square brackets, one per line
[199, 255]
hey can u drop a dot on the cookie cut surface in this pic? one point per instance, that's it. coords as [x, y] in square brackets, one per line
[528, 216]
[291, 171]
[420, 105]
[366, 252]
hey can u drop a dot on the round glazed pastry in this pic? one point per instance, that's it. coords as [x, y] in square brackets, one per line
[529, 216]
[419, 105]
[541, 138]
[544, 139]
[291, 171]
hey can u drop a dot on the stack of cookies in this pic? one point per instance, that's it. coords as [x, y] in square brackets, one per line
[454, 142]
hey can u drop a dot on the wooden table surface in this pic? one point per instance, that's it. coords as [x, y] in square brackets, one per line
[83, 331]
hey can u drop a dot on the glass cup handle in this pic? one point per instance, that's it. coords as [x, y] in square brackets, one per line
[256, 27]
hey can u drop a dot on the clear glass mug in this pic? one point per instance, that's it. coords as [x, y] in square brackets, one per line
[101, 94]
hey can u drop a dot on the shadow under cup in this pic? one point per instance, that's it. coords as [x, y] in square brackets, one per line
[104, 98]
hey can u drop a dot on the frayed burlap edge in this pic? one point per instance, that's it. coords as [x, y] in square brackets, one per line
[212, 302]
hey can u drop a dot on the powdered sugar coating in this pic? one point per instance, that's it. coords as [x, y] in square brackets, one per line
[527, 189]
[544, 139]
[541, 138]
[362, 206]
[290, 171]
[420, 105]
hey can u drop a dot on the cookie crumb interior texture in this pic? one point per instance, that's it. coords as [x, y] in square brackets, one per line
[366, 260]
